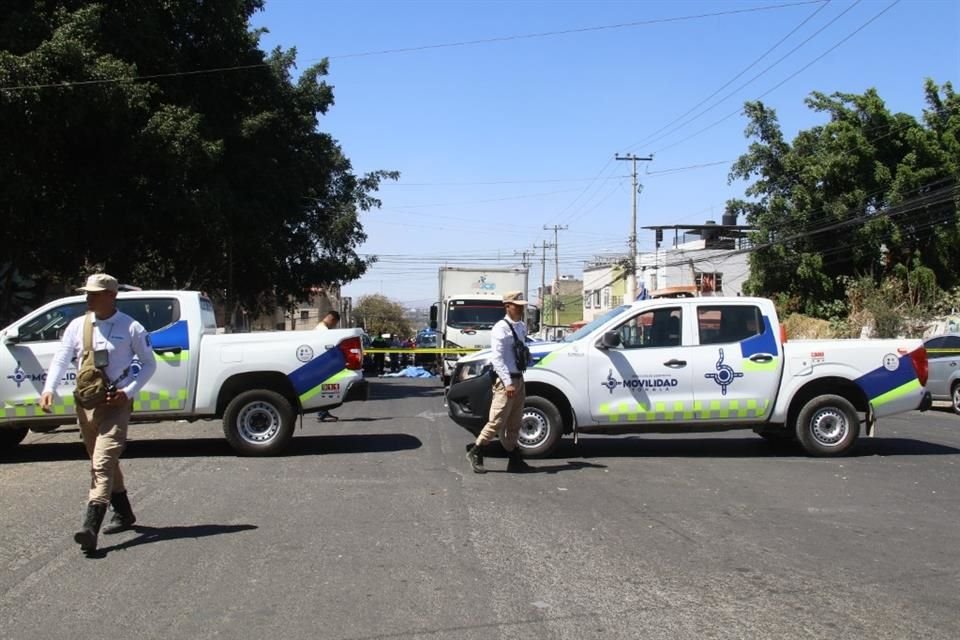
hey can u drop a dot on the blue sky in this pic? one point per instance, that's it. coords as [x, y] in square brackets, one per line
[497, 139]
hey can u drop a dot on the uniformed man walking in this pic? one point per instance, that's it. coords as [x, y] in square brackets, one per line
[509, 358]
[115, 341]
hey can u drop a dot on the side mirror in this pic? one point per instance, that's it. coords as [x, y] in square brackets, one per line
[434, 311]
[11, 336]
[533, 319]
[610, 340]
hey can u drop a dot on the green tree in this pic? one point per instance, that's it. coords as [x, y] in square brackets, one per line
[378, 314]
[864, 193]
[171, 176]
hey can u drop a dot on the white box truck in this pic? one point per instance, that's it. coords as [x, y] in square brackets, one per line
[470, 303]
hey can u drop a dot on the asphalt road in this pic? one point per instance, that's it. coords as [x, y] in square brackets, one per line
[374, 527]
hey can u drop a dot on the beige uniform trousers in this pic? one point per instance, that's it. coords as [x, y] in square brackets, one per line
[506, 415]
[104, 431]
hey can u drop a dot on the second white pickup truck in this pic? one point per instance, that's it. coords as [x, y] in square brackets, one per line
[702, 364]
[258, 383]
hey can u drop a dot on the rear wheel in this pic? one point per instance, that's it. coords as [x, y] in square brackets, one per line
[259, 423]
[955, 397]
[10, 437]
[828, 425]
[541, 427]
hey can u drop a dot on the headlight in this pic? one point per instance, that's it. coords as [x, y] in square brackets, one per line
[467, 370]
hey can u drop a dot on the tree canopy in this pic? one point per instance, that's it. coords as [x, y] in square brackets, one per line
[156, 140]
[868, 193]
[378, 314]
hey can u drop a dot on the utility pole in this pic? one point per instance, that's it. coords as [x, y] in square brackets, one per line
[543, 272]
[632, 269]
[556, 260]
[526, 265]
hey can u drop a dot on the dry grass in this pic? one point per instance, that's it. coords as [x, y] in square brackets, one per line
[801, 327]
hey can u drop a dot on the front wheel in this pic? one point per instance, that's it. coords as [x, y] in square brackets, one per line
[828, 425]
[955, 397]
[259, 423]
[12, 436]
[540, 428]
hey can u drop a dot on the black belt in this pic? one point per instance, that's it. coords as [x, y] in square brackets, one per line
[514, 376]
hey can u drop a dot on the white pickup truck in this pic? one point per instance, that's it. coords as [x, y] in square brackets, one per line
[702, 365]
[258, 383]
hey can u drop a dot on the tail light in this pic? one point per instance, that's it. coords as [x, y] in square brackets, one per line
[352, 349]
[783, 334]
[919, 358]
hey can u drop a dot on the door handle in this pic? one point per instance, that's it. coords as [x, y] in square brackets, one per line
[173, 350]
[675, 364]
[761, 357]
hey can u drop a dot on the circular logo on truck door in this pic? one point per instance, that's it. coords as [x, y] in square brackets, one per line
[304, 353]
[891, 362]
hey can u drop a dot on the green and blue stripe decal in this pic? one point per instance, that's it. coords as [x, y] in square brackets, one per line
[327, 368]
[175, 336]
[882, 385]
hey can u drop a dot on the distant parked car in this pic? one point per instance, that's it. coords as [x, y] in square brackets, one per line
[943, 354]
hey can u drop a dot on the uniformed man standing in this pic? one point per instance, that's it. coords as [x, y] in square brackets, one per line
[509, 358]
[330, 321]
[117, 341]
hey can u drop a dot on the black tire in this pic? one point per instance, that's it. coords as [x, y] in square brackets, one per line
[259, 423]
[955, 397]
[10, 437]
[541, 429]
[828, 425]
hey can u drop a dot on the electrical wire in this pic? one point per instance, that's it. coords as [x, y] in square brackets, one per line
[756, 61]
[463, 43]
[785, 80]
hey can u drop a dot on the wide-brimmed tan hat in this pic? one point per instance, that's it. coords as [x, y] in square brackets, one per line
[100, 282]
[514, 297]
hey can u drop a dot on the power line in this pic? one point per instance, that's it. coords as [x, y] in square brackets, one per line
[491, 183]
[742, 71]
[756, 77]
[463, 43]
[547, 34]
[787, 79]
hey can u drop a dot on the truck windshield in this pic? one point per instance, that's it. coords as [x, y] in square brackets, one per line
[474, 314]
[596, 322]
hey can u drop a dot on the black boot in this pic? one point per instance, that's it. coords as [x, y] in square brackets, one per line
[516, 463]
[475, 458]
[87, 536]
[122, 518]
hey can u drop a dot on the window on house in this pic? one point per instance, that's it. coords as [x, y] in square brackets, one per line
[304, 315]
[709, 282]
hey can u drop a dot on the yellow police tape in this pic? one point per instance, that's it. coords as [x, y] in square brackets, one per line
[422, 351]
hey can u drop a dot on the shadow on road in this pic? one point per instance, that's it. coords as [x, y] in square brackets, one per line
[396, 388]
[217, 447]
[147, 535]
[748, 447]
[535, 467]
